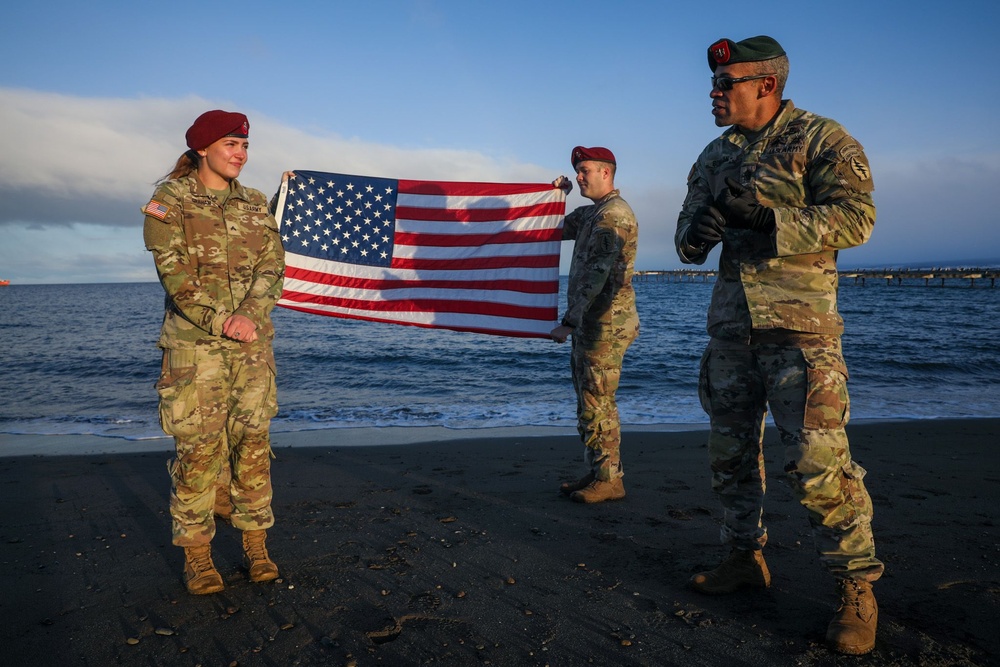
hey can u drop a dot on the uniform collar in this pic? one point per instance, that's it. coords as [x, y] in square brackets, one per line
[197, 187]
[776, 126]
[611, 195]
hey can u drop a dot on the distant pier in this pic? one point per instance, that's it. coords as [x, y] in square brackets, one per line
[679, 275]
[927, 277]
[897, 277]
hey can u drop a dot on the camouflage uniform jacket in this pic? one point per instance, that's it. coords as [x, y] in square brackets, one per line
[816, 178]
[600, 298]
[214, 259]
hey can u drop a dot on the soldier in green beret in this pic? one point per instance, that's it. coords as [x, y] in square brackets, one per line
[600, 316]
[782, 190]
[219, 258]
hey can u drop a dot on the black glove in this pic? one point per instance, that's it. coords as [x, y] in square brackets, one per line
[706, 227]
[742, 209]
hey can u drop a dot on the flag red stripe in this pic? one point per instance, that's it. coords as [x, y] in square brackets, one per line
[473, 240]
[427, 306]
[533, 262]
[465, 189]
[479, 214]
[423, 325]
[323, 278]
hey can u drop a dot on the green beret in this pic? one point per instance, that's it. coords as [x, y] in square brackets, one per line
[727, 52]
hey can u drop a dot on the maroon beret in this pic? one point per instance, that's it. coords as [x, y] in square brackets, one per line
[580, 154]
[213, 125]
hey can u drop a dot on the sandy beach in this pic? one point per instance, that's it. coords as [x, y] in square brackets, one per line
[462, 552]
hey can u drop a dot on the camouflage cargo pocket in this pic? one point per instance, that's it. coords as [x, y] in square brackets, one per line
[827, 403]
[269, 405]
[178, 393]
[855, 492]
[704, 386]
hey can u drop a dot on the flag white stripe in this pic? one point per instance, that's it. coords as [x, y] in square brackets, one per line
[477, 202]
[492, 227]
[381, 273]
[417, 293]
[465, 252]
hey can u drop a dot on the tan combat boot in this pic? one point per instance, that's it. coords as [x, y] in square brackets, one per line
[200, 575]
[852, 630]
[255, 558]
[743, 568]
[599, 491]
[223, 504]
[566, 488]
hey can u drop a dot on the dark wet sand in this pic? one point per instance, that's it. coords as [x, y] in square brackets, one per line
[463, 553]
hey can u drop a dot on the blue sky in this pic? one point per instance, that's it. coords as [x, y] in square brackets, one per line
[95, 99]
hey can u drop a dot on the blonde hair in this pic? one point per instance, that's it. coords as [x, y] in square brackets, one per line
[186, 163]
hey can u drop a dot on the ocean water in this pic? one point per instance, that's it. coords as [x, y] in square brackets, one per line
[81, 359]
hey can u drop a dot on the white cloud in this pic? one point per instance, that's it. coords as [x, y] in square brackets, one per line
[65, 146]
[66, 159]
[73, 168]
[74, 173]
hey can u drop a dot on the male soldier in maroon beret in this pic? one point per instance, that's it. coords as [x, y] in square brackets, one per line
[600, 316]
[783, 190]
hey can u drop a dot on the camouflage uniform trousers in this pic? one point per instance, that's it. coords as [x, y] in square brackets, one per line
[597, 368]
[217, 404]
[803, 379]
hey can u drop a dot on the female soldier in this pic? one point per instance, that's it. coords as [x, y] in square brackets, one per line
[221, 264]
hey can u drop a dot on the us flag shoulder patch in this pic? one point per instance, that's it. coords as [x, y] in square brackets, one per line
[156, 209]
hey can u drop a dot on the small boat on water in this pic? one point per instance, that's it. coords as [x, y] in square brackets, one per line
[3, 282]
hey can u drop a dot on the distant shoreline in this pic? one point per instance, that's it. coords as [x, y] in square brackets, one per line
[360, 436]
[973, 266]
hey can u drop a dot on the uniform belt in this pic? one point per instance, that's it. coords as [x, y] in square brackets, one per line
[792, 338]
[772, 336]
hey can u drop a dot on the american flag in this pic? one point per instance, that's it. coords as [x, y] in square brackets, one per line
[481, 257]
[156, 209]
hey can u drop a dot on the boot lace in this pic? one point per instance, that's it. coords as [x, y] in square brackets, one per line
[255, 549]
[854, 597]
[201, 561]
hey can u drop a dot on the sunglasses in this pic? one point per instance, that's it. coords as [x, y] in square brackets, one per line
[726, 83]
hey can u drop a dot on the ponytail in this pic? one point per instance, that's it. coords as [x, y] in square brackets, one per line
[186, 163]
